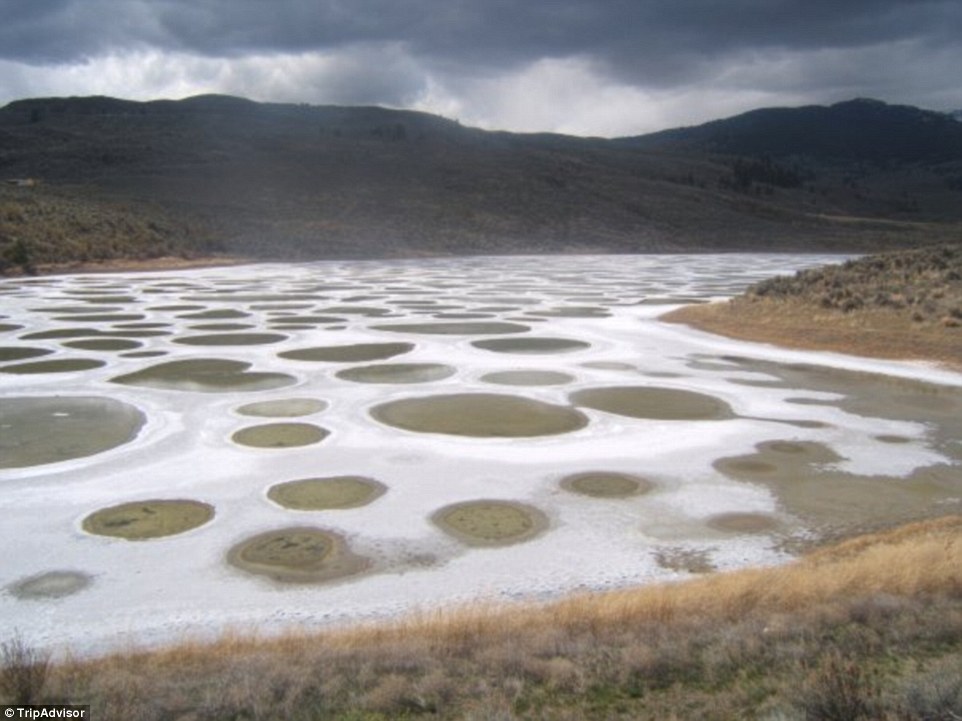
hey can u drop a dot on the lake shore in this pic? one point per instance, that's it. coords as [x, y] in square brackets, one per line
[798, 325]
[905, 305]
[883, 610]
[145, 265]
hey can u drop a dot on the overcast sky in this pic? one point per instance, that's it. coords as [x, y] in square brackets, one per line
[586, 67]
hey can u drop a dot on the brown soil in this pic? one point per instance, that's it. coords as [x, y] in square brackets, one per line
[875, 332]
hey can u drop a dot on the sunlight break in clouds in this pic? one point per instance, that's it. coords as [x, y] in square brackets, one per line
[563, 95]
[351, 76]
[574, 96]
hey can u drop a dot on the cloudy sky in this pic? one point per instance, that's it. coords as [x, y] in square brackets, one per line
[587, 67]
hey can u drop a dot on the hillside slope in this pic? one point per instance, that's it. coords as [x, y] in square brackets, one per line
[298, 181]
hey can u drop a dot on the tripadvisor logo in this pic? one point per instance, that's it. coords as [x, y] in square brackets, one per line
[46, 711]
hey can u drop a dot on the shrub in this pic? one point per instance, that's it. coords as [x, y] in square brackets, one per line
[839, 690]
[23, 671]
[934, 696]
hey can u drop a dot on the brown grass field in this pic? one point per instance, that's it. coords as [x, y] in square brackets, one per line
[869, 628]
[875, 333]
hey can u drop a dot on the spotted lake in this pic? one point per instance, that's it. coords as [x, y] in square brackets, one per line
[273, 445]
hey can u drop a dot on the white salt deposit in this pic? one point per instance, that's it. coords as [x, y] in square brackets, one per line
[177, 586]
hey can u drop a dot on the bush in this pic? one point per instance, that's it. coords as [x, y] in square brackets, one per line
[23, 671]
[840, 690]
[934, 696]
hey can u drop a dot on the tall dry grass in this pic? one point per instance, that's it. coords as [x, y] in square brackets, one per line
[754, 643]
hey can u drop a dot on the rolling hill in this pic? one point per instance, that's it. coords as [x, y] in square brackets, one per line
[218, 173]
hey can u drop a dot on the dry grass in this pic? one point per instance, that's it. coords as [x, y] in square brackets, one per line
[791, 323]
[902, 305]
[727, 645]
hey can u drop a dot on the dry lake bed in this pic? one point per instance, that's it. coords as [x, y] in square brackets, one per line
[266, 446]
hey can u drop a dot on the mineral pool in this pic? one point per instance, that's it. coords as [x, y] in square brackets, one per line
[277, 446]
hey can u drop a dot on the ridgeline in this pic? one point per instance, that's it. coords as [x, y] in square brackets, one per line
[100, 178]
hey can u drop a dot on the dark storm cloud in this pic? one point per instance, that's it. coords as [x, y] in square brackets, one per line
[654, 42]
[579, 66]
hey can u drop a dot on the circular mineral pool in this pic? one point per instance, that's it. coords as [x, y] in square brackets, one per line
[68, 333]
[480, 415]
[893, 439]
[142, 520]
[306, 319]
[606, 484]
[798, 423]
[531, 345]
[798, 452]
[455, 328]
[366, 311]
[104, 344]
[610, 366]
[318, 494]
[745, 466]
[102, 318]
[297, 555]
[786, 447]
[38, 430]
[490, 523]
[144, 354]
[355, 353]
[222, 327]
[527, 378]
[462, 316]
[743, 522]
[653, 403]
[52, 584]
[574, 312]
[283, 408]
[280, 435]
[61, 365]
[397, 373]
[208, 375]
[213, 314]
[104, 299]
[19, 353]
[231, 339]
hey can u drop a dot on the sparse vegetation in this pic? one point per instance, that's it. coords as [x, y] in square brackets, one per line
[42, 227]
[748, 173]
[905, 304]
[868, 628]
[303, 182]
[926, 283]
[23, 671]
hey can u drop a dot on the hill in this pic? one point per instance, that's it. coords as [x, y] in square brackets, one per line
[862, 130]
[299, 181]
